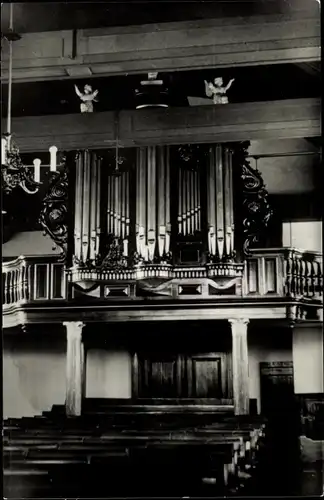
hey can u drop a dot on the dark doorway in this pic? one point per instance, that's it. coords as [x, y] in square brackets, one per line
[277, 388]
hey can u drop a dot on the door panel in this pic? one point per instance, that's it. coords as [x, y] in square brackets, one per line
[162, 378]
[165, 375]
[159, 376]
[206, 377]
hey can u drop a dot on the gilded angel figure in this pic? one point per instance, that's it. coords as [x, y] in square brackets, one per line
[87, 98]
[217, 90]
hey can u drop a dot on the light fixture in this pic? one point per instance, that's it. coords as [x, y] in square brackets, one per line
[152, 93]
[14, 172]
[118, 160]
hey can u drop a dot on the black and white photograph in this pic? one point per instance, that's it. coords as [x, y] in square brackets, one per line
[162, 261]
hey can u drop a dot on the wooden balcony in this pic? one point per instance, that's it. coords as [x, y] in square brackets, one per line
[32, 279]
[284, 276]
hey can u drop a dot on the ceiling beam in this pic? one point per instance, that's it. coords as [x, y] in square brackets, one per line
[234, 122]
[223, 42]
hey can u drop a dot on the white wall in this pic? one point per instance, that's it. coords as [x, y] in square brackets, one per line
[109, 374]
[29, 243]
[265, 347]
[286, 174]
[34, 376]
[308, 360]
[33, 380]
[305, 235]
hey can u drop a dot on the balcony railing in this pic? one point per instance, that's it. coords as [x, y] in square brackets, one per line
[28, 279]
[284, 272]
[280, 272]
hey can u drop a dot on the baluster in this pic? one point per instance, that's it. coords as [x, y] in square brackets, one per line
[30, 284]
[22, 282]
[4, 287]
[12, 287]
[18, 285]
[289, 265]
[320, 277]
[8, 288]
[12, 283]
[302, 276]
[293, 273]
[298, 276]
[313, 279]
[308, 270]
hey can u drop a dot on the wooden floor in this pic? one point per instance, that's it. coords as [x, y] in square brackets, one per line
[129, 452]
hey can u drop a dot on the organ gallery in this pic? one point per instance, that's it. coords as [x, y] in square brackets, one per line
[162, 257]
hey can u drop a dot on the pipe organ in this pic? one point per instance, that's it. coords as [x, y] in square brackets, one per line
[87, 207]
[157, 179]
[220, 212]
[118, 209]
[153, 217]
[189, 210]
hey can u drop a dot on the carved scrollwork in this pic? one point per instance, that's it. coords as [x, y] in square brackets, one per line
[256, 209]
[54, 214]
[115, 258]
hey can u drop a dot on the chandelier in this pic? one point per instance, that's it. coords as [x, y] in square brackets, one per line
[13, 171]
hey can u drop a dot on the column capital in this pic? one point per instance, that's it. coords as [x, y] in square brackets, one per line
[74, 328]
[239, 321]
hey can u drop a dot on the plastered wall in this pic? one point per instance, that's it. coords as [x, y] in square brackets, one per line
[108, 374]
[34, 376]
[308, 360]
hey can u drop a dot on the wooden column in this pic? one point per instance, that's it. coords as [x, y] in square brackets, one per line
[75, 368]
[240, 365]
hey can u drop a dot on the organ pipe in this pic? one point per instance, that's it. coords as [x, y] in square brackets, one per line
[153, 225]
[220, 203]
[87, 207]
[118, 221]
[188, 202]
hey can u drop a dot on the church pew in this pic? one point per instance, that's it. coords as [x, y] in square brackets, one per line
[26, 483]
[222, 467]
[222, 428]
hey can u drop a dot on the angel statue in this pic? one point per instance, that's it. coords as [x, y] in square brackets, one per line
[216, 91]
[87, 98]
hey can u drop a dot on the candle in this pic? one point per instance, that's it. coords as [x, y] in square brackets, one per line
[125, 243]
[53, 151]
[3, 151]
[37, 163]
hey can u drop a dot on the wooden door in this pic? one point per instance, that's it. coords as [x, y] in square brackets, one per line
[205, 376]
[159, 376]
[277, 388]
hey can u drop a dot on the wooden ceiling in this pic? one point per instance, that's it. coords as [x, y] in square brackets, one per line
[51, 16]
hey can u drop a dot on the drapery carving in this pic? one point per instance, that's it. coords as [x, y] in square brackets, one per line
[256, 211]
[87, 208]
[220, 212]
[153, 221]
[54, 214]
